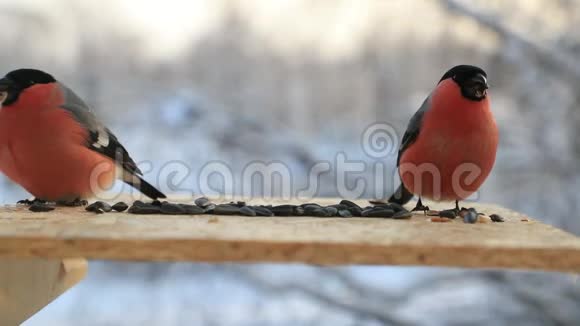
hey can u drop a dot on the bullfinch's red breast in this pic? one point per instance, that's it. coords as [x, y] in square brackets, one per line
[450, 144]
[52, 144]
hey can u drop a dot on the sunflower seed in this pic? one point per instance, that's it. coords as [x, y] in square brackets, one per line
[39, 207]
[344, 213]
[496, 218]
[192, 209]
[262, 211]
[247, 211]
[226, 209]
[378, 212]
[448, 213]
[283, 210]
[120, 207]
[202, 202]
[171, 209]
[402, 215]
[470, 216]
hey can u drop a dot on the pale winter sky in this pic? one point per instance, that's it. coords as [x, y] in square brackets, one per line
[165, 28]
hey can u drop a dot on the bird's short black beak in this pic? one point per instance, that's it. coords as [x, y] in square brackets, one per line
[480, 81]
[5, 84]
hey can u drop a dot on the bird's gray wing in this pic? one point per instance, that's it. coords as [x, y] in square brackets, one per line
[402, 195]
[101, 139]
[413, 128]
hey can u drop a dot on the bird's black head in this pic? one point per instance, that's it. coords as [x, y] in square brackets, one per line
[18, 80]
[472, 81]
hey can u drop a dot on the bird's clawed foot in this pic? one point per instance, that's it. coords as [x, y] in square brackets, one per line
[37, 205]
[72, 203]
[420, 207]
[29, 202]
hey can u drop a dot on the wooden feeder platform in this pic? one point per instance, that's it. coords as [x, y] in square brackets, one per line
[43, 254]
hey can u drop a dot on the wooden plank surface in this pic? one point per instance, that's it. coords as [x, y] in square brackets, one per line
[28, 285]
[72, 232]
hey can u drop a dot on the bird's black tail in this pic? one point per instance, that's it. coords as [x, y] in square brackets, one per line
[401, 196]
[143, 186]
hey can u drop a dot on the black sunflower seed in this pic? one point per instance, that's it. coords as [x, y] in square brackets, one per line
[349, 203]
[448, 213]
[247, 211]
[144, 209]
[98, 206]
[355, 211]
[331, 211]
[120, 207]
[283, 210]
[378, 212]
[202, 202]
[344, 213]
[39, 207]
[226, 209]
[470, 216]
[171, 209]
[402, 215]
[496, 218]
[262, 211]
[192, 209]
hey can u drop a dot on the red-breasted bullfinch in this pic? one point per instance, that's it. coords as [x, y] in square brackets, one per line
[52, 144]
[450, 144]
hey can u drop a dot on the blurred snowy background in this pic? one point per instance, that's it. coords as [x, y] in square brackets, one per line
[298, 81]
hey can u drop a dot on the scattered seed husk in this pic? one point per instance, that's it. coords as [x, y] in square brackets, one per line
[483, 219]
[438, 219]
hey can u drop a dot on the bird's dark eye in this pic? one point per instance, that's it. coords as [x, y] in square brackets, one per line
[3, 96]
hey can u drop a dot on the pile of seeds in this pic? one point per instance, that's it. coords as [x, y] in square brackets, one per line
[344, 209]
[203, 205]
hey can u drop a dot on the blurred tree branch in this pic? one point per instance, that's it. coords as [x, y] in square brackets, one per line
[553, 58]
